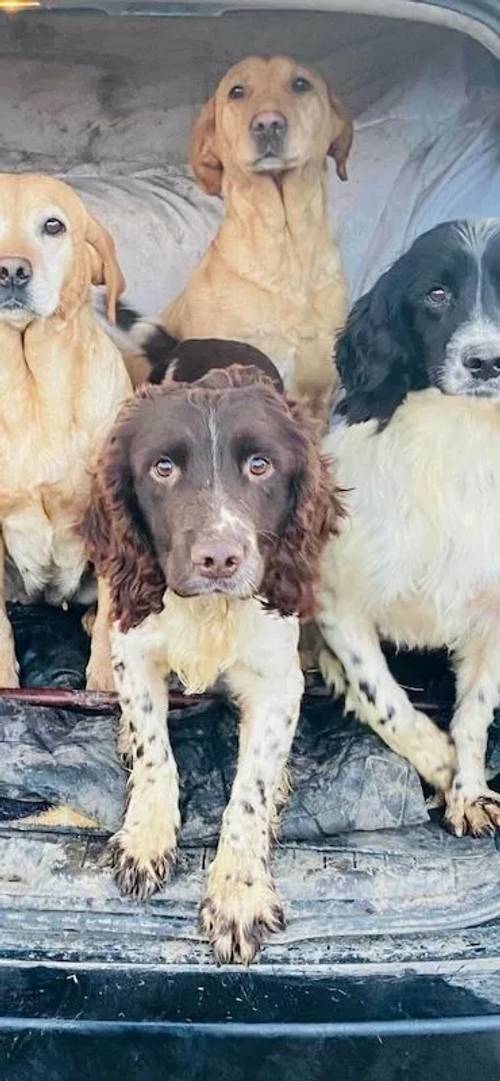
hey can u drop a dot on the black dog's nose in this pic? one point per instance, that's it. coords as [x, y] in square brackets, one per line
[270, 125]
[482, 367]
[15, 273]
[216, 558]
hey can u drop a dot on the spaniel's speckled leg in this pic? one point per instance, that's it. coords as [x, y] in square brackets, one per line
[472, 807]
[241, 903]
[377, 699]
[142, 853]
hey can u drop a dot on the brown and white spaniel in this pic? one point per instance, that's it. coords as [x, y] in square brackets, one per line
[210, 508]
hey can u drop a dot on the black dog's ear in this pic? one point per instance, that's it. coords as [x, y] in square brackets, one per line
[376, 355]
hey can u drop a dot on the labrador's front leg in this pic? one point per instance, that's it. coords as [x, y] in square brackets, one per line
[142, 853]
[241, 902]
[9, 667]
[99, 674]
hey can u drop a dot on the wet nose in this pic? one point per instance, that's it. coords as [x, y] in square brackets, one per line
[482, 367]
[15, 273]
[217, 559]
[270, 124]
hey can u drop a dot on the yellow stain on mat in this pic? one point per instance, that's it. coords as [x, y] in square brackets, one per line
[58, 817]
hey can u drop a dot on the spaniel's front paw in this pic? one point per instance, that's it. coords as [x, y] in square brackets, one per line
[471, 810]
[142, 860]
[240, 906]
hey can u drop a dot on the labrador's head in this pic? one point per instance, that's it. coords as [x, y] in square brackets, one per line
[268, 116]
[51, 250]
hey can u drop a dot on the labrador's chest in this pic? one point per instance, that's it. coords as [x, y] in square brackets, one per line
[44, 488]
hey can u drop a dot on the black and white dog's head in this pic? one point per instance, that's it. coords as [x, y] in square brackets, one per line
[433, 319]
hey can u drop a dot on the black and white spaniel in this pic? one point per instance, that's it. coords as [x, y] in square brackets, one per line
[418, 454]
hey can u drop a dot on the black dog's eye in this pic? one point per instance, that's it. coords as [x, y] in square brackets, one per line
[258, 466]
[300, 85]
[438, 295]
[236, 92]
[164, 469]
[53, 227]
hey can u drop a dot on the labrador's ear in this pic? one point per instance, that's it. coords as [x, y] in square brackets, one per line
[342, 135]
[105, 269]
[203, 157]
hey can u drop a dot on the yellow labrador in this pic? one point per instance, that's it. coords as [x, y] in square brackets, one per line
[61, 384]
[272, 276]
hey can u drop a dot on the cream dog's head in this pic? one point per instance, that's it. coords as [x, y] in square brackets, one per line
[51, 250]
[268, 116]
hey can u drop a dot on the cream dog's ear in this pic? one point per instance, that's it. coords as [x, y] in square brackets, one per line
[104, 264]
[342, 135]
[203, 157]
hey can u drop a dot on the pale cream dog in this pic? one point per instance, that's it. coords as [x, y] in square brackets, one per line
[61, 384]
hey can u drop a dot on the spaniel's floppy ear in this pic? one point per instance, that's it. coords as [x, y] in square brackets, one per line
[342, 135]
[376, 356]
[116, 540]
[293, 565]
[104, 264]
[203, 157]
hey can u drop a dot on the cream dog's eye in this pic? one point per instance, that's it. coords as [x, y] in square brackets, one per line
[236, 92]
[300, 85]
[53, 227]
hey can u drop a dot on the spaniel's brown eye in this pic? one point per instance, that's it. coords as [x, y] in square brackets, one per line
[258, 466]
[300, 85]
[236, 92]
[163, 469]
[438, 295]
[53, 227]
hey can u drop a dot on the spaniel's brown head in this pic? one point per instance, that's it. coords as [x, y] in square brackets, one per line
[216, 487]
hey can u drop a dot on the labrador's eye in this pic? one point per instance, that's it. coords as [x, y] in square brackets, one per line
[437, 296]
[53, 227]
[300, 85]
[258, 466]
[164, 469]
[236, 92]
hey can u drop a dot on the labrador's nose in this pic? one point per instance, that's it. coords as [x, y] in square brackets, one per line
[15, 273]
[217, 558]
[269, 125]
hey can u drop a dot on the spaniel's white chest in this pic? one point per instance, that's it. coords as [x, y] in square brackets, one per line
[202, 639]
[422, 548]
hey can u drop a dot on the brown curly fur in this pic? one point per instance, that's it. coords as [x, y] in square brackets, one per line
[116, 535]
[292, 564]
